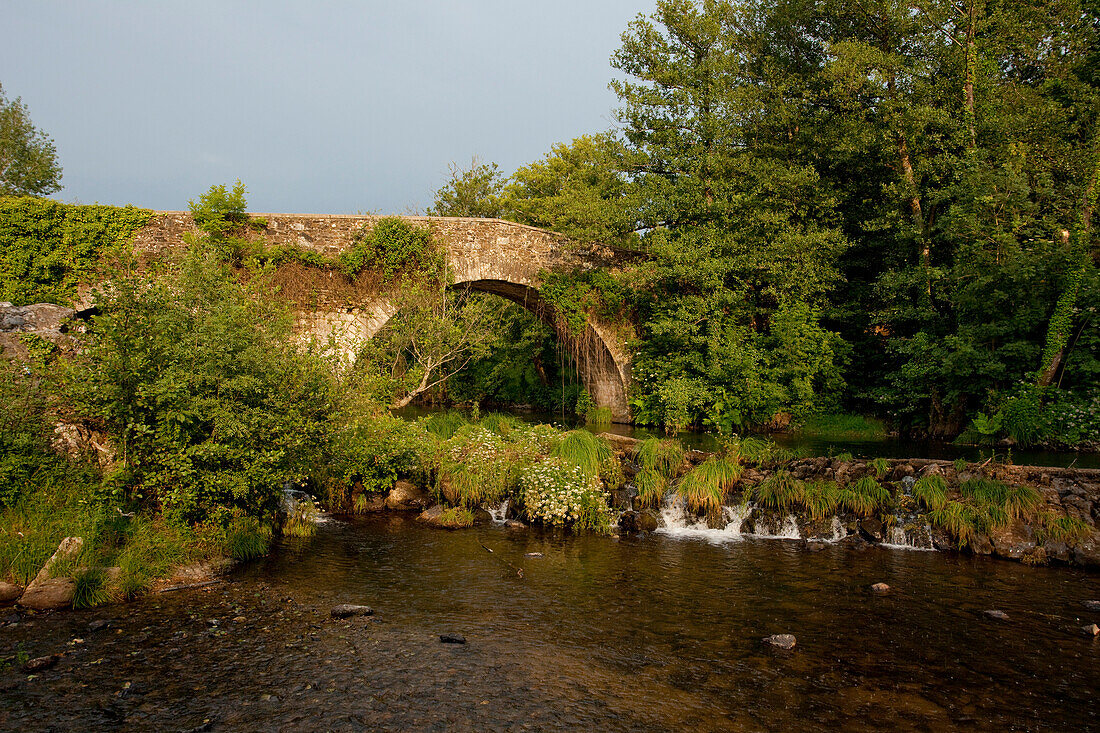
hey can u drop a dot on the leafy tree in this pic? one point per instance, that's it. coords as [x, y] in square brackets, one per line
[28, 157]
[473, 191]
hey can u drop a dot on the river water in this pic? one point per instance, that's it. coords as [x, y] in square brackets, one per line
[598, 633]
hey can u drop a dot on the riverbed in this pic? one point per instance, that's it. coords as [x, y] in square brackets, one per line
[596, 633]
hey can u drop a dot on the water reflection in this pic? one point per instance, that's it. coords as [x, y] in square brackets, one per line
[648, 633]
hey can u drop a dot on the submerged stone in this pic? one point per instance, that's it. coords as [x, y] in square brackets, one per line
[347, 610]
[1091, 630]
[452, 638]
[41, 663]
[1092, 605]
[781, 641]
[999, 615]
[880, 588]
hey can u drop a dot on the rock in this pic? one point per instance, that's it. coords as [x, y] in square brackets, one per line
[68, 549]
[515, 524]
[405, 497]
[815, 545]
[431, 515]
[633, 521]
[1092, 605]
[780, 641]
[100, 624]
[481, 516]
[50, 594]
[9, 592]
[532, 554]
[452, 638]
[372, 503]
[1091, 630]
[647, 522]
[871, 529]
[11, 618]
[41, 663]
[1012, 541]
[995, 614]
[880, 588]
[347, 610]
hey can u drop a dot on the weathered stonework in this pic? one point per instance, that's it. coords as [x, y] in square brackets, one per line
[488, 255]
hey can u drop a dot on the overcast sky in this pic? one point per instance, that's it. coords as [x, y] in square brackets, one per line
[319, 107]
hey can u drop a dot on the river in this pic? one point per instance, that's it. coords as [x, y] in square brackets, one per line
[599, 633]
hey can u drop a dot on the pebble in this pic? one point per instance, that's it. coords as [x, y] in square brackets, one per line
[1091, 630]
[999, 615]
[533, 554]
[781, 641]
[40, 663]
[346, 610]
[452, 638]
[99, 624]
[880, 588]
[1092, 605]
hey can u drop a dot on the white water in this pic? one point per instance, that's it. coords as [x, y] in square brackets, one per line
[898, 539]
[499, 513]
[788, 530]
[677, 522]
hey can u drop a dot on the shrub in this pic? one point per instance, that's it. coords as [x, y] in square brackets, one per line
[393, 246]
[561, 494]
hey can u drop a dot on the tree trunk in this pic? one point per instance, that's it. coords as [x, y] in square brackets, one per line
[971, 72]
[404, 401]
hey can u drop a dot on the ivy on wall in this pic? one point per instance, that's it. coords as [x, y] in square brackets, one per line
[47, 248]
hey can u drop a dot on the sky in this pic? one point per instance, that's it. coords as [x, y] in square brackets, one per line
[318, 107]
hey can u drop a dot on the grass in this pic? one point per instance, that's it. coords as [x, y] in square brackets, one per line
[880, 466]
[1016, 502]
[598, 416]
[960, 520]
[651, 486]
[456, 518]
[302, 520]
[864, 497]
[781, 492]
[663, 456]
[90, 588]
[445, 424]
[1054, 527]
[592, 454]
[931, 491]
[247, 538]
[821, 499]
[841, 427]
[705, 486]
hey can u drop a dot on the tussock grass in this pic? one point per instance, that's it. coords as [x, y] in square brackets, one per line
[651, 486]
[864, 497]
[664, 456]
[456, 518]
[445, 424]
[705, 486]
[880, 466]
[301, 522]
[90, 588]
[247, 538]
[598, 416]
[592, 454]
[1054, 527]
[821, 499]
[781, 492]
[931, 491]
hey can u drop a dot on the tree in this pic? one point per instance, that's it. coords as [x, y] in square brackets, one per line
[28, 158]
[473, 191]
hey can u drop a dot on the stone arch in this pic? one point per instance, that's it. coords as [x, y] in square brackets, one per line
[602, 368]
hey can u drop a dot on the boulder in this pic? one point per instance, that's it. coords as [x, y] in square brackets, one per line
[781, 641]
[49, 594]
[1091, 630]
[347, 610]
[634, 521]
[431, 515]
[68, 549]
[1012, 541]
[871, 529]
[406, 496]
[515, 524]
[9, 592]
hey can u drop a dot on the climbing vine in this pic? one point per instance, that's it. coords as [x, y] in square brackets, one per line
[47, 248]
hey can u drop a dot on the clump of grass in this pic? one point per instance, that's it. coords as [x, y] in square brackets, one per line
[844, 457]
[1016, 502]
[498, 423]
[880, 466]
[302, 520]
[664, 456]
[705, 486]
[781, 491]
[361, 504]
[1051, 526]
[959, 464]
[90, 588]
[597, 416]
[931, 491]
[456, 518]
[821, 499]
[445, 424]
[592, 454]
[960, 520]
[247, 538]
[651, 486]
[864, 497]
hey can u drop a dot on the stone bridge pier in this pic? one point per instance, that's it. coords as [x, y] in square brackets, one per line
[487, 255]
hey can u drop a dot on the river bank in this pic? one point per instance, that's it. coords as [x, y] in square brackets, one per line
[637, 633]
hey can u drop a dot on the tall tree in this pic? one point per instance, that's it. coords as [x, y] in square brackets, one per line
[28, 157]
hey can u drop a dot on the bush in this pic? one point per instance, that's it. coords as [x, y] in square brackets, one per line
[393, 246]
[561, 494]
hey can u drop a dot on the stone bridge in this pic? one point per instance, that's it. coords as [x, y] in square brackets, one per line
[488, 255]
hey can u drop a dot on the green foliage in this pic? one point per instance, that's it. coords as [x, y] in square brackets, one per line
[28, 157]
[705, 487]
[478, 466]
[456, 518]
[445, 424]
[592, 454]
[931, 491]
[1054, 527]
[961, 521]
[26, 458]
[371, 449]
[220, 212]
[821, 499]
[665, 456]
[246, 538]
[393, 246]
[201, 388]
[864, 497]
[48, 248]
[651, 485]
[780, 492]
[301, 520]
[841, 427]
[1017, 502]
[561, 494]
[845, 457]
[90, 588]
[474, 191]
[880, 466]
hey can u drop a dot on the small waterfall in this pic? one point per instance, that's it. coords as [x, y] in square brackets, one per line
[787, 530]
[909, 537]
[499, 513]
[839, 532]
[677, 522]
